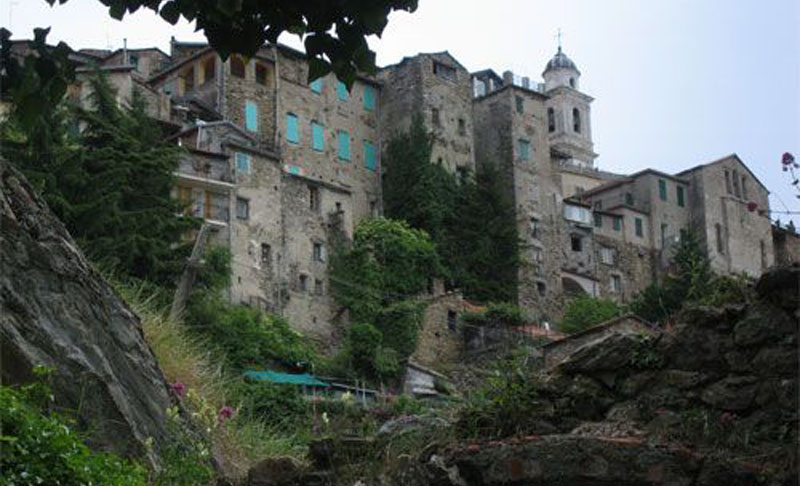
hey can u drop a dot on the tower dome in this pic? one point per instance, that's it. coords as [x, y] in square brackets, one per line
[561, 71]
[560, 61]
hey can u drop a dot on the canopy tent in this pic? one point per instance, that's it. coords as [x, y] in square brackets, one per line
[277, 377]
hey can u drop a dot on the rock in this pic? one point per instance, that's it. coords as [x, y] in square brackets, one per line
[695, 348]
[278, 471]
[609, 353]
[410, 422]
[781, 287]
[734, 393]
[56, 310]
[763, 324]
[776, 361]
[683, 379]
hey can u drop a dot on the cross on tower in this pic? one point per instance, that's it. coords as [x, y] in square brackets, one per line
[558, 36]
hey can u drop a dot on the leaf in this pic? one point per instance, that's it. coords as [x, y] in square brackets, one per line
[170, 12]
[317, 68]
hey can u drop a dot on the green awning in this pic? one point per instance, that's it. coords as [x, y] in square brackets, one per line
[278, 377]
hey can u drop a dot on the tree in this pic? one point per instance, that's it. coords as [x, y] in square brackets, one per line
[123, 215]
[584, 312]
[243, 26]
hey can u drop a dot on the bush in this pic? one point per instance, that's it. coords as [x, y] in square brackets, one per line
[41, 448]
[584, 312]
[274, 403]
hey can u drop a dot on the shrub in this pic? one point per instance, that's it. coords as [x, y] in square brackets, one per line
[42, 448]
[497, 314]
[274, 403]
[584, 312]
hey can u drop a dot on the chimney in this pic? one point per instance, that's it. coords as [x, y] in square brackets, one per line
[508, 78]
[526, 82]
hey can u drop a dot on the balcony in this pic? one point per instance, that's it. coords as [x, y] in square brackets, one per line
[206, 171]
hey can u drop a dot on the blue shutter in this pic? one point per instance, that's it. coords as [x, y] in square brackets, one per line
[344, 145]
[316, 85]
[318, 139]
[341, 91]
[369, 155]
[292, 134]
[369, 98]
[251, 116]
[242, 163]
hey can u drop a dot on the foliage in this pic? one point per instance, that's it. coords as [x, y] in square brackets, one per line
[497, 314]
[41, 448]
[273, 403]
[186, 455]
[243, 27]
[470, 219]
[243, 335]
[689, 280]
[376, 280]
[584, 312]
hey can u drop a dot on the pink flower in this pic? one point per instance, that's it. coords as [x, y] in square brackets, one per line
[752, 206]
[224, 414]
[178, 388]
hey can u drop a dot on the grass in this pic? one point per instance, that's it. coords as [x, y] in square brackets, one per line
[188, 359]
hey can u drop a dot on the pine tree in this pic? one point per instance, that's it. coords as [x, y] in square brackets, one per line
[125, 218]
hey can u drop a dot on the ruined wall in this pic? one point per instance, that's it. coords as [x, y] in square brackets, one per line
[441, 337]
[786, 246]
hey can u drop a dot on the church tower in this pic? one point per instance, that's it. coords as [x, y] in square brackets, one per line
[568, 112]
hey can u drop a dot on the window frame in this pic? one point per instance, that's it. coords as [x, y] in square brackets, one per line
[638, 227]
[680, 195]
[370, 156]
[317, 136]
[242, 202]
[242, 156]
[662, 189]
[343, 142]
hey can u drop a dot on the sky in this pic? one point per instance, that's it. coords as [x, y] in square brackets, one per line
[676, 83]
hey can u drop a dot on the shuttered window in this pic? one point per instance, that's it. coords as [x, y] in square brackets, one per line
[344, 145]
[370, 161]
[250, 116]
[318, 137]
[292, 133]
[369, 98]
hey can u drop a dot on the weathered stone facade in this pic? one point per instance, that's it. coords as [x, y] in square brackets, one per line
[441, 337]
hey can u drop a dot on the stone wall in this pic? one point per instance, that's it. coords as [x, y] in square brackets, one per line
[441, 338]
[787, 246]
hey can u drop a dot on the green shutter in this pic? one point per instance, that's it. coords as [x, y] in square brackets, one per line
[662, 189]
[369, 98]
[639, 231]
[680, 196]
[617, 223]
[369, 155]
[292, 133]
[318, 138]
[341, 91]
[316, 85]
[344, 145]
[251, 116]
[242, 163]
[598, 220]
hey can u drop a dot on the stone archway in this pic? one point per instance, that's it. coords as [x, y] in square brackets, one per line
[572, 288]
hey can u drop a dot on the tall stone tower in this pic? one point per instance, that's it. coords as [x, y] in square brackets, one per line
[568, 112]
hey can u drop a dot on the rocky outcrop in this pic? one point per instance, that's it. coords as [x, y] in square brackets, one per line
[56, 310]
[712, 401]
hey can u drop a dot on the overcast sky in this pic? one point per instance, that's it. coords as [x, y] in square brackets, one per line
[676, 82]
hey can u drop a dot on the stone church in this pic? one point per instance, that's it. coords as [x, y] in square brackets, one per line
[279, 168]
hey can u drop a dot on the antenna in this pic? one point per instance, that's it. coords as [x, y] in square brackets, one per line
[11, 4]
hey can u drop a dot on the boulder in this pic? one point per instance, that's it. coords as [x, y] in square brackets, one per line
[734, 393]
[56, 310]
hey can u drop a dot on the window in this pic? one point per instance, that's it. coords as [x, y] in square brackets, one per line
[451, 320]
[435, 120]
[576, 120]
[317, 137]
[572, 83]
[319, 252]
[313, 198]
[445, 72]
[462, 127]
[262, 74]
[616, 284]
[617, 223]
[318, 287]
[680, 195]
[133, 60]
[607, 255]
[663, 235]
[370, 161]
[524, 149]
[638, 227]
[541, 287]
[303, 283]
[266, 256]
[242, 163]
[242, 208]
[237, 67]
[576, 242]
[735, 180]
[316, 86]
[720, 241]
[520, 105]
[292, 133]
[209, 69]
[251, 116]
[188, 80]
[598, 220]
[629, 199]
[662, 189]
[534, 228]
[578, 214]
[551, 120]
[369, 97]
[728, 181]
[344, 145]
[341, 91]
[744, 187]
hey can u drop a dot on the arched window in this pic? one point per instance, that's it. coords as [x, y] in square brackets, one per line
[572, 82]
[237, 66]
[576, 120]
[551, 120]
